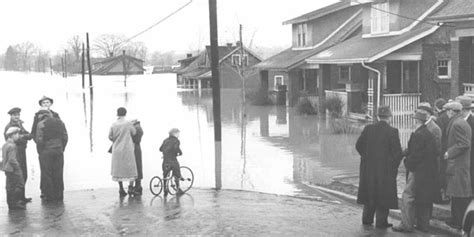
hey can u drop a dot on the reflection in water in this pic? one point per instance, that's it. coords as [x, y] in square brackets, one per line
[85, 108]
[281, 115]
[91, 130]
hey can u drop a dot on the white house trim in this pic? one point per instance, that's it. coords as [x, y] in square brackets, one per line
[246, 50]
[403, 44]
[333, 33]
[410, 27]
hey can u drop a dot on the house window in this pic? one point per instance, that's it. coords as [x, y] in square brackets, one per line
[380, 18]
[236, 60]
[302, 34]
[279, 81]
[344, 74]
[444, 69]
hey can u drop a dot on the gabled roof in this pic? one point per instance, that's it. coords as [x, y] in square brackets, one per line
[187, 59]
[455, 9]
[107, 64]
[342, 4]
[291, 58]
[358, 49]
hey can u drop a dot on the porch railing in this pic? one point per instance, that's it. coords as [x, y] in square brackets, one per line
[469, 89]
[403, 106]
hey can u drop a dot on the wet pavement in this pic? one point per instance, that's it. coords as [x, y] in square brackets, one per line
[200, 212]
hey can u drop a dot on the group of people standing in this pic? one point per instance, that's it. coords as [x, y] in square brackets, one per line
[50, 135]
[437, 162]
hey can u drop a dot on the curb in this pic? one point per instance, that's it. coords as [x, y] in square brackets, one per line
[393, 213]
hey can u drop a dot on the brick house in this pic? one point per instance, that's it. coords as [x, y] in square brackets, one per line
[401, 52]
[196, 71]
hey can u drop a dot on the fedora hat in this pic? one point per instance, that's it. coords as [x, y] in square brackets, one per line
[384, 111]
[45, 98]
[426, 107]
[420, 116]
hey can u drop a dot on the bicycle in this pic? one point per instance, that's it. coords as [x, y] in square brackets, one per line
[185, 182]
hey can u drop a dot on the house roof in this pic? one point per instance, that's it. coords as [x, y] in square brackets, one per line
[358, 49]
[107, 64]
[455, 9]
[294, 57]
[342, 4]
[187, 59]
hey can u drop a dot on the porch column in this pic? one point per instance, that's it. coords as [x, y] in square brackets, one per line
[324, 82]
[456, 83]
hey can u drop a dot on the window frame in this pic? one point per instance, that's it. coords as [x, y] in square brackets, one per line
[234, 60]
[447, 66]
[275, 85]
[349, 72]
[380, 19]
[302, 34]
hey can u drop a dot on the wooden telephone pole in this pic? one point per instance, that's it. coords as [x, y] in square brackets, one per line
[216, 92]
[89, 60]
[83, 67]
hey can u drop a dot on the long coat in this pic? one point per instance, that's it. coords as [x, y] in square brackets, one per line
[137, 138]
[470, 121]
[422, 160]
[459, 158]
[124, 167]
[381, 153]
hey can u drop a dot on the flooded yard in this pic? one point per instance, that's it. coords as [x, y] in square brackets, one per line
[274, 151]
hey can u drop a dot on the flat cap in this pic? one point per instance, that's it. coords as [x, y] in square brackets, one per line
[455, 106]
[14, 110]
[465, 101]
[426, 107]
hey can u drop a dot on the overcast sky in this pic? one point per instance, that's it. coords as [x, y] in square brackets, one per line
[50, 23]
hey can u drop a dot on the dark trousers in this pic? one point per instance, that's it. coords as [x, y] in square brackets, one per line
[423, 215]
[381, 215]
[458, 208]
[15, 187]
[52, 174]
[21, 158]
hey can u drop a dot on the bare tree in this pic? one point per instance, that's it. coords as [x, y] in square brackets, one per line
[108, 45]
[25, 50]
[137, 50]
[75, 44]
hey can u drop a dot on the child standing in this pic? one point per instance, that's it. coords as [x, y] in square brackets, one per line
[170, 149]
[15, 183]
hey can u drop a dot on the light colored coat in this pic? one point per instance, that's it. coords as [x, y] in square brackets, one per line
[124, 167]
[459, 158]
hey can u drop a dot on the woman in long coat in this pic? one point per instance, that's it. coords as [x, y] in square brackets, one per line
[124, 167]
[137, 138]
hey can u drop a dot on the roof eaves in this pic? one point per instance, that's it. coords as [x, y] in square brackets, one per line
[320, 12]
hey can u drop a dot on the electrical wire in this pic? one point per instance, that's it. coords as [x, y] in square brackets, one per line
[157, 23]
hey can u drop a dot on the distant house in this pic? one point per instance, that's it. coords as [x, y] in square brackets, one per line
[195, 72]
[115, 66]
[378, 52]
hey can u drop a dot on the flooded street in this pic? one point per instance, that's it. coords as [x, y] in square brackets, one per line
[274, 152]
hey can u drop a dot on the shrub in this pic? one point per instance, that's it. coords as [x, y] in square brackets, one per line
[258, 97]
[334, 105]
[304, 106]
[342, 126]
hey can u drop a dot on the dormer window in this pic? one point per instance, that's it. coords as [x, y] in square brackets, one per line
[302, 34]
[380, 18]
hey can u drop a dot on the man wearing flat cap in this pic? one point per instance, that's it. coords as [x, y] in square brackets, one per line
[381, 153]
[442, 120]
[45, 103]
[422, 187]
[466, 103]
[21, 143]
[458, 157]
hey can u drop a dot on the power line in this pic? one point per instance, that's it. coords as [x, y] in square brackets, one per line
[410, 18]
[157, 23]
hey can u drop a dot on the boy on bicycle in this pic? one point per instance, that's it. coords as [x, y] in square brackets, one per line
[170, 149]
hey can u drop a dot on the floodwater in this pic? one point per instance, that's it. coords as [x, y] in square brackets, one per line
[266, 149]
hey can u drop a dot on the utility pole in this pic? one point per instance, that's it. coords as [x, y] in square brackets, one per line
[51, 66]
[89, 60]
[62, 66]
[65, 63]
[216, 93]
[83, 70]
[124, 64]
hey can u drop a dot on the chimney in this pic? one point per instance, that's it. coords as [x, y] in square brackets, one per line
[189, 55]
[237, 43]
[229, 45]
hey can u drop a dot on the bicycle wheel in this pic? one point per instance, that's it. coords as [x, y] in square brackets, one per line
[156, 185]
[187, 178]
[170, 183]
